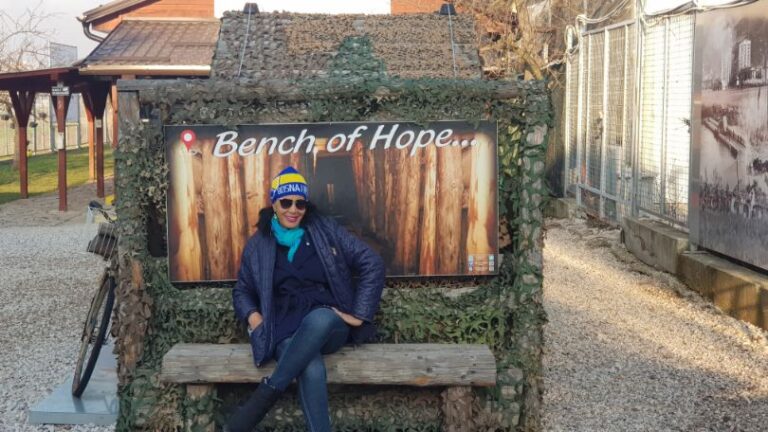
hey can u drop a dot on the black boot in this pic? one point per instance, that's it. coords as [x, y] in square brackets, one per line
[255, 408]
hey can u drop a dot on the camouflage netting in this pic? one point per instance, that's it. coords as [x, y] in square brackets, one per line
[504, 312]
[301, 46]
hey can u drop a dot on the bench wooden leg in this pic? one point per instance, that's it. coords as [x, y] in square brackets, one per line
[457, 409]
[201, 396]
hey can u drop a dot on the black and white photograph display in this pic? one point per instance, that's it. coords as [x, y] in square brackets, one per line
[729, 208]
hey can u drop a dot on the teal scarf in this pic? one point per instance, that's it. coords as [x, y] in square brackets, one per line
[290, 238]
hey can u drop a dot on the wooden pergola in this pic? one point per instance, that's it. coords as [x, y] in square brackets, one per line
[23, 86]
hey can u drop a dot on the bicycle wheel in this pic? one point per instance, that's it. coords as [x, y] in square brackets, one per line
[94, 334]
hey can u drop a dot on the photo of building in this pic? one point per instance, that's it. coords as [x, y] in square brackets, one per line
[732, 144]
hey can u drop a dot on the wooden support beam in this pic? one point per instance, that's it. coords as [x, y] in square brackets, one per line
[95, 100]
[23, 163]
[114, 99]
[91, 144]
[62, 105]
[22, 102]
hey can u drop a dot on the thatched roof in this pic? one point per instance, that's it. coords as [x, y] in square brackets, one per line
[294, 46]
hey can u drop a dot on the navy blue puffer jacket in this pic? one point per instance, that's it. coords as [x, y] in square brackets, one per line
[343, 256]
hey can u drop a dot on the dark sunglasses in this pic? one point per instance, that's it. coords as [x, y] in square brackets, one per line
[286, 203]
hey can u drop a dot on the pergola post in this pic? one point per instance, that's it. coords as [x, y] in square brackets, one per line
[91, 146]
[23, 101]
[113, 98]
[115, 135]
[62, 104]
[95, 99]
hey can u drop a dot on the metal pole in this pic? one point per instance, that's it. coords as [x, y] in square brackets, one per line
[584, 155]
[692, 221]
[604, 132]
[579, 119]
[625, 107]
[664, 124]
[637, 141]
[588, 117]
[610, 27]
[567, 109]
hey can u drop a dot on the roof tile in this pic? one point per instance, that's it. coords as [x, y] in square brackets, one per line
[169, 43]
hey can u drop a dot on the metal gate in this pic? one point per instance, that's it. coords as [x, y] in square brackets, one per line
[627, 139]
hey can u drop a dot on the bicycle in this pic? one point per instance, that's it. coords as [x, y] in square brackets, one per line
[100, 311]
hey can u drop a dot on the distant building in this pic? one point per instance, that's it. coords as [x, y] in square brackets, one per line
[745, 54]
[415, 6]
[725, 72]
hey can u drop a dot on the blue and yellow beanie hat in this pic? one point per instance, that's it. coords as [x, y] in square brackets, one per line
[288, 182]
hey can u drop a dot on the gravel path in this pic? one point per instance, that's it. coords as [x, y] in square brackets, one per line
[632, 349]
[45, 289]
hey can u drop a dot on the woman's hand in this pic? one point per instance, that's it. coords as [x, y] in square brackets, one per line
[349, 319]
[254, 320]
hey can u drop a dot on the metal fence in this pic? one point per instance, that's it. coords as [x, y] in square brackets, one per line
[627, 132]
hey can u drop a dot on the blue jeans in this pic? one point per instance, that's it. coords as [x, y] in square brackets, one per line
[300, 356]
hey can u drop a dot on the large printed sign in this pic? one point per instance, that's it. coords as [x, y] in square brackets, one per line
[423, 196]
[729, 175]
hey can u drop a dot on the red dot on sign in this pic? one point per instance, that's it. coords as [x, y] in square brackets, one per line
[188, 137]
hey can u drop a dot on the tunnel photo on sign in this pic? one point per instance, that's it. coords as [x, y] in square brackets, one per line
[424, 196]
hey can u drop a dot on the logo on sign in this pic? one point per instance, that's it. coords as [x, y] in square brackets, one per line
[188, 138]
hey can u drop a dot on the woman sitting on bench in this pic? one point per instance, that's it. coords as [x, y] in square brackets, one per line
[296, 293]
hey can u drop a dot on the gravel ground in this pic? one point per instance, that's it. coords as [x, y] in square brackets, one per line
[632, 349]
[627, 348]
[45, 289]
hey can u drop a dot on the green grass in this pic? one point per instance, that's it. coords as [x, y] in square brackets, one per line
[43, 173]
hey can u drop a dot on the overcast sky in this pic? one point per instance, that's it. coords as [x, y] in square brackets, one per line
[66, 29]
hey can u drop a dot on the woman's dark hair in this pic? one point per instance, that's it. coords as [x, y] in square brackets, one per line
[265, 218]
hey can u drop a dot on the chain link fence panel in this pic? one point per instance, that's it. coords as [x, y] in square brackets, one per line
[628, 124]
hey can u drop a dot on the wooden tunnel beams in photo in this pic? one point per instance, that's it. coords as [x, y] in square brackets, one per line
[428, 250]
[449, 199]
[218, 209]
[256, 195]
[239, 223]
[183, 235]
[481, 240]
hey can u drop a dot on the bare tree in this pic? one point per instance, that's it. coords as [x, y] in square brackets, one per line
[522, 36]
[23, 46]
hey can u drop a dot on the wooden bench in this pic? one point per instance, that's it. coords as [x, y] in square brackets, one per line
[456, 367]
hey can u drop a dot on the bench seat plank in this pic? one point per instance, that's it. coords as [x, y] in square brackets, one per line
[383, 364]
